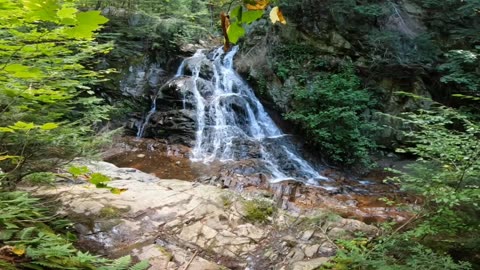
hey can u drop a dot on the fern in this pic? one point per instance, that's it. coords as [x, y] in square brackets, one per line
[140, 266]
[119, 264]
[26, 233]
[31, 228]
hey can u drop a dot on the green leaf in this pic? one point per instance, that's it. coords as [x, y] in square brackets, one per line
[23, 72]
[22, 126]
[67, 13]
[44, 10]
[140, 266]
[9, 157]
[6, 129]
[98, 178]
[87, 23]
[236, 13]
[118, 191]
[77, 171]
[235, 32]
[252, 15]
[49, 126]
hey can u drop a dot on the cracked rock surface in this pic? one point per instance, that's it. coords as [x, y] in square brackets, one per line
[174, 224]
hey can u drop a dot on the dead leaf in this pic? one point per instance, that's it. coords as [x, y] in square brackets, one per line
[277, 16]
[259, 5]
[19, 251]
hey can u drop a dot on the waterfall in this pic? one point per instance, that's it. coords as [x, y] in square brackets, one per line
[142, 125]
[141, 128]
[231, 122]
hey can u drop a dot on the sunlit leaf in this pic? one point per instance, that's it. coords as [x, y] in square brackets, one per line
[277, 16]
[258, 5]
[77, 171]
[67, 13]
[21, 71]
[99, 179]
[42, 10]
[235, 32]
[237, 13]
[87, 23]
[49, 126]
[5, 157]
[252, 15]
[118, 190]
[22, 126]
[6, 129]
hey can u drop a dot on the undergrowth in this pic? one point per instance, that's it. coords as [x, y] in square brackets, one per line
[258, 211]
[31, 237]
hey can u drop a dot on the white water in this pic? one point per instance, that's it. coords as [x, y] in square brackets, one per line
[232, 123]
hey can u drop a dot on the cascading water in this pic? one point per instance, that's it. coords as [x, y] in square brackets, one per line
[232, 123]
[143, 125]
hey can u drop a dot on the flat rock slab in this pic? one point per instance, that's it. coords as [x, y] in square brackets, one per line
[174, 224]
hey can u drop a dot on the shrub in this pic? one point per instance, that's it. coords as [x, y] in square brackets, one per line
[329, 108]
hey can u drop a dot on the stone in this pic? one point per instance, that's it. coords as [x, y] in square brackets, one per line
[339, 41]
[250, 231]
[296, 255]
[310, 251]
[310, 264]
[307, 235]
[180, 218]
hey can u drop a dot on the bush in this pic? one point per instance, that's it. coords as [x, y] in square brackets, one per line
[329, 108]
[390, 254]
[48, 109]
[258, 211]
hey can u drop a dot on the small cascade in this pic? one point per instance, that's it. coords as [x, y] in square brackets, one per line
[141, 128]
[232, 124]
[143, 124]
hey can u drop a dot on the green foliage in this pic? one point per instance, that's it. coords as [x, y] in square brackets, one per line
[447, 174]
[46, 103]
[32, 238]
[462, 69]
[396, 48]
[258, 210]
[392, 253]
[454, 23]
[98, 179]
[76, 171]
[329, 108]
[40, 178]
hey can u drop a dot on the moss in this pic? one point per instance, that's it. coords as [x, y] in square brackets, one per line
[226, 201]
[166, 253]
[258, 211]
[110, 211]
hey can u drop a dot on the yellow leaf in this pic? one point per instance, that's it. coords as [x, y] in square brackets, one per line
[19, 251]
[259, 5]
[277, 16]
[118, 190]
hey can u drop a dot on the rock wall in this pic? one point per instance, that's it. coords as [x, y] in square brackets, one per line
[339, 31]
